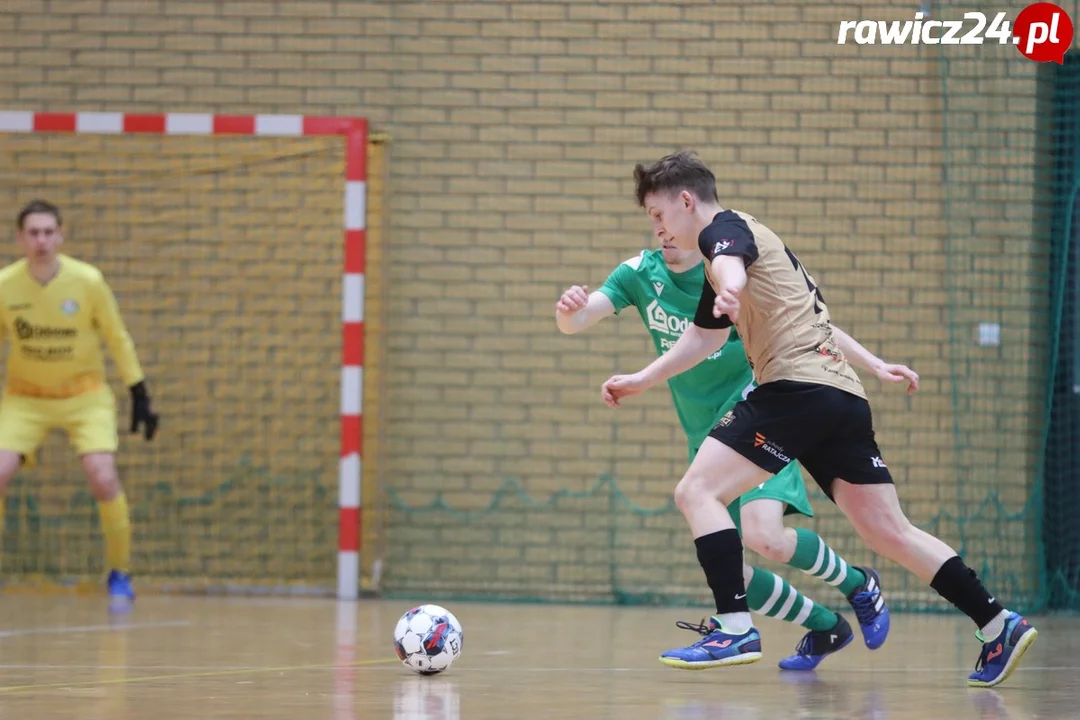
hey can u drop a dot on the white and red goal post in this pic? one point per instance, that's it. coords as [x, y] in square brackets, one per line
[355, 133]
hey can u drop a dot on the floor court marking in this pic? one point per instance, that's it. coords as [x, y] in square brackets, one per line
[203, 670]
[12, 689]
[373, 664]
[69, 629]
[157, 668]
[819, 676]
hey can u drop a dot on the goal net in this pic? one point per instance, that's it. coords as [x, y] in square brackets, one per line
[226, 255]
[936, 206]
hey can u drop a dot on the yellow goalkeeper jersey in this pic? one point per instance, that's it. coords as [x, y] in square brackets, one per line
[56, 331]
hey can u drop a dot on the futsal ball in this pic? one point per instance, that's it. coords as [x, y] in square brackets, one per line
[428, 639]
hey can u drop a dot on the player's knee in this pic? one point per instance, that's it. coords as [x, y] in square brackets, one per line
[683, 496]
[104, 487]
[764, 541]
[690, 491]
[888, 536]
[9, 465]
[101, 474]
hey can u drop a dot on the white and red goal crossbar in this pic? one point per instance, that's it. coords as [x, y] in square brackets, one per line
[355, 132]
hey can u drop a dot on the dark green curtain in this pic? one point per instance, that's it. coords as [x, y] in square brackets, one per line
[1061, 486]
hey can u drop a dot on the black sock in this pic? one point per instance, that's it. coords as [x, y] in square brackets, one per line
[721, 557]
[957, 583]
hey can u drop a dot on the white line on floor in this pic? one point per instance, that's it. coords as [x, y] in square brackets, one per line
[190, 668]
[394, 668]
[71, 629]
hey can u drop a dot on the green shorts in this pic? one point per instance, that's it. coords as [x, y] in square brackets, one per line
[787, 486]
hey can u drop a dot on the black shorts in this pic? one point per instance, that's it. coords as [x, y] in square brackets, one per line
[829, 431]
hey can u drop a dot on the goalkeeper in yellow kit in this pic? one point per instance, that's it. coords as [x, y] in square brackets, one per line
[56, 310]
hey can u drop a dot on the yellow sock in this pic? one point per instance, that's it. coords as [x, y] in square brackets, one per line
[116, 526]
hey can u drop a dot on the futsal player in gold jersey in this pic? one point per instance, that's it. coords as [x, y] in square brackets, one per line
[56, 311]
[810, 406]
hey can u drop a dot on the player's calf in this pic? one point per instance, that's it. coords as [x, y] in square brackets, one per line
[115, 518]
[770, 595]
[767, 541]
[718, 472]
[9, 465]
[875, 512]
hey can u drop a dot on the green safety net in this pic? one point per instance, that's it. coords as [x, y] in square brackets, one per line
[1000, 220]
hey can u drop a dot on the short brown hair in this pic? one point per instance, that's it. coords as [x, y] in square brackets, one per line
[679, 171]
[35, 207]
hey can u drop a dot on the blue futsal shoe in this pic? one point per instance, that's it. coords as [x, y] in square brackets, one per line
[1000, 655]
[817, 644]
[121, 594]
[870, 610]
[715, 649]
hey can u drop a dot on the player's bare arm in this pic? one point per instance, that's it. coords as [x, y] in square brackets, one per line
[730, 274]
[578, 309]
[696, 344]
[860, 357]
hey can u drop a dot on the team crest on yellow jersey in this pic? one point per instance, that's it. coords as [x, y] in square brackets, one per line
[69, 307]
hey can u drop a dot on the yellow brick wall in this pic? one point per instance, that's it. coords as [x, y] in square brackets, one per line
[515, 127]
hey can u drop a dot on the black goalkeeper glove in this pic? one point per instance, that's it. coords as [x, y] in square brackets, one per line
[140, 411]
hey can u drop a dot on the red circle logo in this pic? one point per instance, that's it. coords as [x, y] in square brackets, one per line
[1043, 32]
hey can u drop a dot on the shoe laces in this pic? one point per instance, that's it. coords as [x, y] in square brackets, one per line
[808, 644]
[980, 664]
[701, 628]
[863, 605]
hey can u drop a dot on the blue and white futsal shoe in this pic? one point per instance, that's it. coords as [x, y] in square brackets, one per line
[870, 610]
[121, 594]
[817, 644]
[715, 649]
[1000, 656]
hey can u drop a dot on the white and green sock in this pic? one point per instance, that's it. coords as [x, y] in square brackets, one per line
[814, 557]
[770, 595]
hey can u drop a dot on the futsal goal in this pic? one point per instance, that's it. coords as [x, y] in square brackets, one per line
[222, 237]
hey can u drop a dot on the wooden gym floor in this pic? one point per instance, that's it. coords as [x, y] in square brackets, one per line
[206, 657]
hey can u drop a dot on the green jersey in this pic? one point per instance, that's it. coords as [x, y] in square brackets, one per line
[667, 302]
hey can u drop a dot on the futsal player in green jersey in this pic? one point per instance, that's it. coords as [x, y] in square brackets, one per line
[664, 285]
